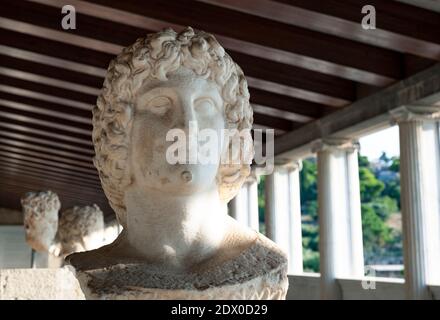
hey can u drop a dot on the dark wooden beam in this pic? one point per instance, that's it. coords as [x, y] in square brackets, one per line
[249, 34]
[15, 179]
[48, 89]
[275, 122]
[46, 141]
[46, 108]
[41, 155]
[309, 85]
[50, 71]
[86, 159]
[289, 104]
[24, 126]
[36, 158]
[6, 168]
[44, 121]
[421, 89]
[311, 81]
[30, 162]
[61, 176]
[346, 58]
[53, 48]
[400, 27]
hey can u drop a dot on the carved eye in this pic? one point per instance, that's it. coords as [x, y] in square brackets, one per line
[205, 107]
[159, 105]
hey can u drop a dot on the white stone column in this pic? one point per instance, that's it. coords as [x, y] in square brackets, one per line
[420, 197]
[276, 207]
[340, 224]
[238, 207]
[252, 198]
[295, 252]
[244, 206]
[283, 212]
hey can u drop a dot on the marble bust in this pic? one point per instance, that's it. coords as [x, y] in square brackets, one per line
[80, 228]
[177, 241]
[40, 219]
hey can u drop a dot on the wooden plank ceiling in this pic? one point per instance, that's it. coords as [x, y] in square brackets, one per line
[303, 59]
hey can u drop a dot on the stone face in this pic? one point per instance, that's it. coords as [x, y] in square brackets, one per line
[78, 229]
[178, 241]
[40, 210]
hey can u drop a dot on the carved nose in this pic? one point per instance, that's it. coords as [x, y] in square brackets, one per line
[189, 119]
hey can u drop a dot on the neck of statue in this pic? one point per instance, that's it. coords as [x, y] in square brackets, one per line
[173, 230]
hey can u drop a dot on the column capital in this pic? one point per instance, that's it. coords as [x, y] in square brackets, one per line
[415, 113]
[294, 165]
[333, 144]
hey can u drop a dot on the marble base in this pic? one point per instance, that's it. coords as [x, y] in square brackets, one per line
[259, 272]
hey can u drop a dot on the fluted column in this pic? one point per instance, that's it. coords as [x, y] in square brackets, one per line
[244, 206]
[283, 212]
[420, 200]
[295, 252]
[340, 224]
[276, 210]
[252, 198]
[238, 207]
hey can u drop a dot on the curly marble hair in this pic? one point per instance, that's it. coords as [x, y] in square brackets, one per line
[76, 224]
[153, 57]
[37, 204]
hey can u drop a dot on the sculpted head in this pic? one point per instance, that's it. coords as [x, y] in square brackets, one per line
[40, 210]
[81, 228]
[165, 81]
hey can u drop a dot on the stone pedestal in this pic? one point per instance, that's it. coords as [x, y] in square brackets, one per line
[259, 272]
[39, 284]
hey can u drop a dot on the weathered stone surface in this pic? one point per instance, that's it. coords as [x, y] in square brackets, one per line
[81, 228]
[40, 210]
[78, 229]
[39, 284]
[259, 272]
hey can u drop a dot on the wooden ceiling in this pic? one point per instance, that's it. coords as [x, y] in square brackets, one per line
[303, 59]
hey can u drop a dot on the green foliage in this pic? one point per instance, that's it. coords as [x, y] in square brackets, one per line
[261, 202]
[310, 236]
[380, 199]
[310, 208]
[395, 164]
[375, 232]
[370, 186]
[308, 186]
[363, 161]
[311, 260]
